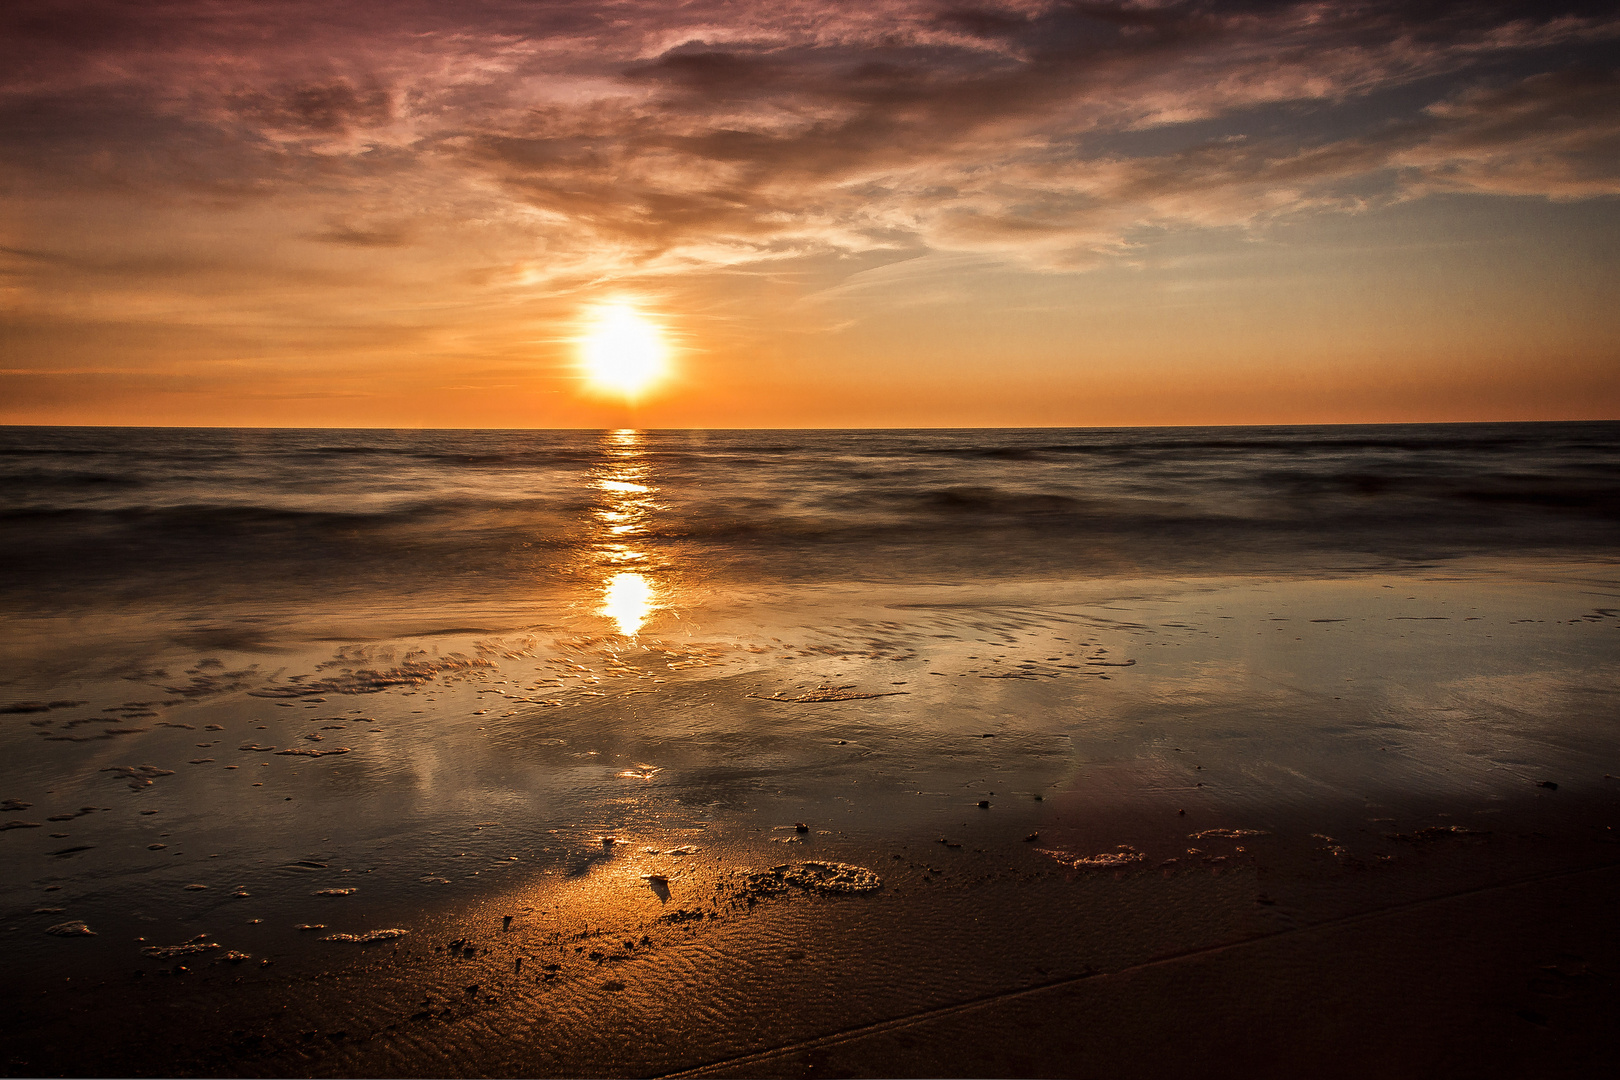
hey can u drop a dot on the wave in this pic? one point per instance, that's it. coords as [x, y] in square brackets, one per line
[504, 508]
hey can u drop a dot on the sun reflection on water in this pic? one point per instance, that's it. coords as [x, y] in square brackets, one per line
[625, 502]
[628, 600]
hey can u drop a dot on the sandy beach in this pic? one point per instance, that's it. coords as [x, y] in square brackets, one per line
[822, 538]
[1356, 822]
[898, 538]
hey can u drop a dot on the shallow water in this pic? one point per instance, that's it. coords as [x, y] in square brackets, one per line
[439, 668]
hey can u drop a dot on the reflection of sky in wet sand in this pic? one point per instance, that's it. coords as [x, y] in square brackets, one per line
[626, 500]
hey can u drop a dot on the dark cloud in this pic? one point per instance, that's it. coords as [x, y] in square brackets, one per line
[330, 108]
[354, 236]
[648, 138]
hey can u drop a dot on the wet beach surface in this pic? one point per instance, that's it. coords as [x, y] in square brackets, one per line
[659, 810]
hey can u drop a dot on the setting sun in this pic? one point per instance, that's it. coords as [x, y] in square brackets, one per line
[622, 352]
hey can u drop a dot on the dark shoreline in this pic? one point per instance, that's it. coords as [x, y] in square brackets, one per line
[1476, 952]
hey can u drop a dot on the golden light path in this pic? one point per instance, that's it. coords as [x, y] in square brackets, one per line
[622, 351]
[629, 597]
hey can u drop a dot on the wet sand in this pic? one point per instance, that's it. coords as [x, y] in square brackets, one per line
[1356, 822]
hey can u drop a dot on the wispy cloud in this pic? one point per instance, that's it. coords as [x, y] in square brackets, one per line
[536, 146]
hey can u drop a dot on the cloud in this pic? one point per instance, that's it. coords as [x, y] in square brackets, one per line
[557, 144]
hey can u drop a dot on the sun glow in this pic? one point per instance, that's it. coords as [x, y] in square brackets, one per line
[622, 352]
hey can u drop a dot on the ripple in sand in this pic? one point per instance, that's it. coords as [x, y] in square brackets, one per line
[140, 776]
[198, 944]
[828, 693]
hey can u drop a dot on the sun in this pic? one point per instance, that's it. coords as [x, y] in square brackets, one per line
[622, 352]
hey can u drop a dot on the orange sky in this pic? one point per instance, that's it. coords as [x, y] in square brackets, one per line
[886, 214]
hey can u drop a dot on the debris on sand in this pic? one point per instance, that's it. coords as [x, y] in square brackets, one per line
[256, 748]
[195, 888]
[333, 892]
[1436, 832]
[198, 944]
[19, 825]
[823, 877]
[681, 915]
[13, 804]
[1123, 856]
[1226, 834]
[368, 937]
[312, 753]
[140, 776]
[828, 693]
[310, 926]
[70, 929]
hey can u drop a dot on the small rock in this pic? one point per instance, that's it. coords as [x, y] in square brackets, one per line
[70, 929]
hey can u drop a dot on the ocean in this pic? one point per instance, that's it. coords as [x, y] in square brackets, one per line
[154, 516]
[476, 719]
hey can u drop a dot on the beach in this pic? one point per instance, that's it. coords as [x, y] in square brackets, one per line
[982, 753]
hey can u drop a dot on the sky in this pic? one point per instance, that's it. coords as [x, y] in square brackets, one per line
[884, 213]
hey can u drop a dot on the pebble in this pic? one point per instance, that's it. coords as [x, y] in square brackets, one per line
[70, 929]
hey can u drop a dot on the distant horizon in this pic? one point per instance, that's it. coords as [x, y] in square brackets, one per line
[821, 427]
